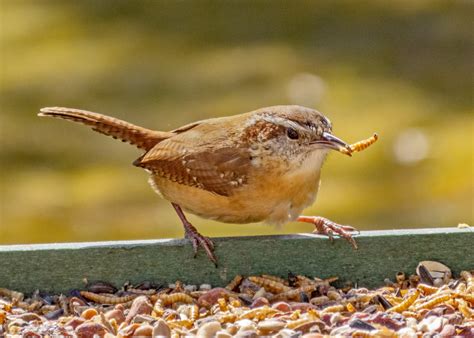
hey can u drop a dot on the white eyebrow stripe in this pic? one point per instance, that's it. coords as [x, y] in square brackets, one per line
[328, 121]
[283, 122]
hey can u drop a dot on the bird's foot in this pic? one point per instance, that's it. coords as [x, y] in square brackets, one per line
[198, 240]
[326, 227]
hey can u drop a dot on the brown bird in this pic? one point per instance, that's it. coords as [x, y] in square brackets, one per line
[264, 165]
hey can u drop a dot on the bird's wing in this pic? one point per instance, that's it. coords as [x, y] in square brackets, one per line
[216, 169]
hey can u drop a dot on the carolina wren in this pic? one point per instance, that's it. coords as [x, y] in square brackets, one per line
[264, 165]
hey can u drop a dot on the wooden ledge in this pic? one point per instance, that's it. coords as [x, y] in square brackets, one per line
[63, 266]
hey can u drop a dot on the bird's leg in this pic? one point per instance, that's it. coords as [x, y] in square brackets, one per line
[326, 227]
[196, 238]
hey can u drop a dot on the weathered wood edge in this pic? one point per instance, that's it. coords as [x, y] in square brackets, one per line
[60, 267]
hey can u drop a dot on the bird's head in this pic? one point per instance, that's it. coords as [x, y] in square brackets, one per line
[292, 132]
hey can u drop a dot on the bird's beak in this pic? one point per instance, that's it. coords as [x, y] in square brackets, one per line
[330, 141]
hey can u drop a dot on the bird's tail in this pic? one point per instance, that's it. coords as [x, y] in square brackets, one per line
[140, 137]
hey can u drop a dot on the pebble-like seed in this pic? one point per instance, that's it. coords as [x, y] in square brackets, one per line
[205, 287]
[321, 300]
[232, 329]
[115, 314]
[89, 313]
[282, 306]
[406, 332]
[190, 288]
[448, 331]
[249, 327]
[140, 306]
[285, 333]
[333, 295]
[75, 322]
[223, 334]
[144, 331]
[260, 293]
[246, 334]
[270, 325]
[411, 322]
[161, 329]
[90, 329]
[245, 323]
[335, 318]
[208, 330]
[258, 302]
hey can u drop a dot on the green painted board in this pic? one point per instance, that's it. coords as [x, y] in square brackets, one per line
[381, 254]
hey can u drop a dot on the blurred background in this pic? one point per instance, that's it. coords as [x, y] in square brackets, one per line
[401, 68]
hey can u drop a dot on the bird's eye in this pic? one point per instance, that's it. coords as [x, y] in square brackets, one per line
[293, 134]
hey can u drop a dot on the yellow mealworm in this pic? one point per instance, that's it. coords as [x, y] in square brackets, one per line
[313, 314]
[158, 308]
[109, 299]
[269, 285]
[142, 292]
[364, 334]
[427, 289]
[411, 314]
[295, 292]
[433, 302]
[295, 315]
[333, 308]
[350, 307]
[215, 309]
[222, 304]
[361, 145]
[296, 323]
[234, 302]
[276, 279]
[227, 318]
[178, 297]
[194, 312]
[464, 308]
[259, 313]
[234, 283]
[13, 295]
[186, 323]
[466, 296]
[330, 280]
[405, 304]
[467, 276]
[303, 280]
[461, 287]
[170, 316]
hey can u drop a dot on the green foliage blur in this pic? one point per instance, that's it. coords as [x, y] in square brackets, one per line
[401, 68]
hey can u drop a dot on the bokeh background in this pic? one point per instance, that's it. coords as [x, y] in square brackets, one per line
[401, 68]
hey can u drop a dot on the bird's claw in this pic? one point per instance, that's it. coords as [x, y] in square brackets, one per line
[328, 228]
[198, 240]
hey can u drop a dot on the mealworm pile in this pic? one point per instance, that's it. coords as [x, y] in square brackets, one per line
[428, 303]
